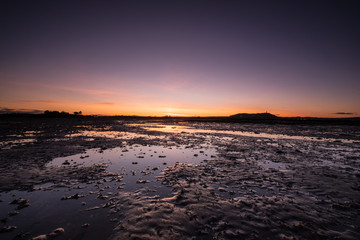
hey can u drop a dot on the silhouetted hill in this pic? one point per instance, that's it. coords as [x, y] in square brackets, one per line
[263, 118]
[254, 116]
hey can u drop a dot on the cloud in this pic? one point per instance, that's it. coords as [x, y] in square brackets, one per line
[84, 90]
[42, 101]
[344, 113]
[28, 111]
[105, 103]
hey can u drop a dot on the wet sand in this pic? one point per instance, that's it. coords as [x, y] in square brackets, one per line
[119, 179]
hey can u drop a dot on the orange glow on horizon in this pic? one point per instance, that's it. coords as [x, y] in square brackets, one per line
[116, 109]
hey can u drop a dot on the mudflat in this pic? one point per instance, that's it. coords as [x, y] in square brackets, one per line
[113, 178]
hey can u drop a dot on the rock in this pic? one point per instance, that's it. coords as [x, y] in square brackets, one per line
[56, 232]
[92, 208]
[142, 181]
[40, 237]
[22, 203]
[75, 196]
[66, 162]
[13, 213]
[7, 229]
[85, 225]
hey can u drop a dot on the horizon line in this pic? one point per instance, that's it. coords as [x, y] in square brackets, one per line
[173, 116]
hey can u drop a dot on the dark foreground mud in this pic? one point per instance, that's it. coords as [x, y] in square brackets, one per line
[99, 179]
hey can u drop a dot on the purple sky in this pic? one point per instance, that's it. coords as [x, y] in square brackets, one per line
[181, 57]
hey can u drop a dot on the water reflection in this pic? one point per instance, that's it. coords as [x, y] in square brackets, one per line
[186, 129]
[108, 134]
[136, 168]
[138, 164]
[47, 212]
[10, 144]
[267, 164]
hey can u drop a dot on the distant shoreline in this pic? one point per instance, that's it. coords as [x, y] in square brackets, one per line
[355, 121]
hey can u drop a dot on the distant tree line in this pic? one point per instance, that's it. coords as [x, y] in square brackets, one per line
[62, 113]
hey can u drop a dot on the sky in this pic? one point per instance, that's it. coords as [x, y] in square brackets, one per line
[181, 58]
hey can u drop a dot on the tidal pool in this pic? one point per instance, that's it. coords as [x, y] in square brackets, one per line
[108, 134]
[138, 165]
[13, 143]
[81, 208]
[192, 130]
[48, 212]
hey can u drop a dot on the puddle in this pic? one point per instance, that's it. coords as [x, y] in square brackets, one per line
[25, 134]
[138, 165]
[186, 129]
[165, 128]
[47, 212]
[70, 205]
[267, 164]
[109, 134]
[335, 164]
[13, 143]
[273, 191]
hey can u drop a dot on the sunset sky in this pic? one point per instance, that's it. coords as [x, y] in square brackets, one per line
[191, 58]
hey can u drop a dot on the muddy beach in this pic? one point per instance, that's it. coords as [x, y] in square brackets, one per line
[105, 178]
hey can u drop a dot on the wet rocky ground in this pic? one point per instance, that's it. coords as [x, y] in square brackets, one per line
[89, 178]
